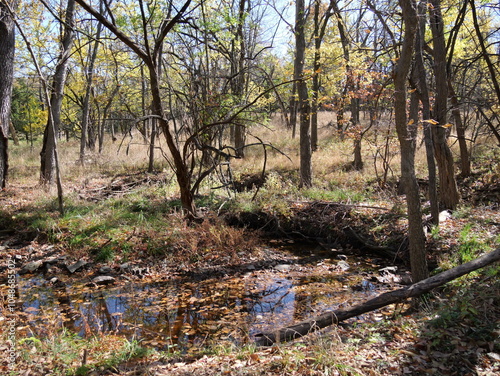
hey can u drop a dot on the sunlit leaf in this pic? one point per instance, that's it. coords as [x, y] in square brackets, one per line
[431, 121]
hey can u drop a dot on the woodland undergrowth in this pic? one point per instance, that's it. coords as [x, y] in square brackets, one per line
[117, 213]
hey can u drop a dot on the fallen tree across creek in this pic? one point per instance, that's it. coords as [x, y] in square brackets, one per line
[334, 317]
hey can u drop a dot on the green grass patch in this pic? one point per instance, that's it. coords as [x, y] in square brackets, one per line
[470, 246]
[334, 194]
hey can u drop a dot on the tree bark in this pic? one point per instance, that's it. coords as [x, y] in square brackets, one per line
[465, 169]
[154, 121]
[238, 65]
[13, 133]
[88, 90]
[448, 192]
[357, 164]
[465, 163]
[303, 100]
[7, 49]
[293, 110]
[342, 101]
[152, 141]
[420, 81]
[407, 140]
[181, 169]
[319, 33]
[104, 118]
[315, 80]
[334, 317]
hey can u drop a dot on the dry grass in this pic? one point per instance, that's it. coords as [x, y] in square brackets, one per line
[330, 161]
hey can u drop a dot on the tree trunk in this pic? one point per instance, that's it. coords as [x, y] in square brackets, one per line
[340, 118]
[342, 101]
[154, 121]
[319, 33]
[7, 48]
[465, 170]
[13, 133]
[358, 134]
[48, 153]
[419, 77]
[104, 117]
[314, 115]
[357, 164]
[86, 100]
[239, 140]
[152, 140]
[303, 100]
[181, 169]
[334, 317]
[240, 129]
[315, 80]
[293, 109]
[448, 192]
[465, 163]
[407, 140]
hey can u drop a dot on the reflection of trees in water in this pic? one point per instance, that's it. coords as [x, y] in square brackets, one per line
[200, 307]
[179, 312]
[270, 297]
[89, 312]
[40, 302]
[268, 301]
[66, 310]
[288, 300]
[305, 302]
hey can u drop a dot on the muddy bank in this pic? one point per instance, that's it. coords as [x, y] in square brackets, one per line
[329, 224]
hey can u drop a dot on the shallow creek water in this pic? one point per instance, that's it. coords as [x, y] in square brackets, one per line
[180, 313]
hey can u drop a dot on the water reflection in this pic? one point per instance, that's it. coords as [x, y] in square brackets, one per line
[182, 313]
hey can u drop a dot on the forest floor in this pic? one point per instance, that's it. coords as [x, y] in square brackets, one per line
[455, 331]
[124, 223]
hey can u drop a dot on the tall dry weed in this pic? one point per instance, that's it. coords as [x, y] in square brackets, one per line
[331, 160]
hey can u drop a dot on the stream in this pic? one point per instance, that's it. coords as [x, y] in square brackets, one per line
[179, 313]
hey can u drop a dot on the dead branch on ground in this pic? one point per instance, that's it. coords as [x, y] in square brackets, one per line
[334, 317]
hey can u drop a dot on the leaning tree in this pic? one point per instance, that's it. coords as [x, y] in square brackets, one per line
[148, 52]
[407, 140]
[188, 129]
[7, 47]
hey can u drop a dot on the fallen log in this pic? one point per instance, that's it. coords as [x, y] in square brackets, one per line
[334, 317]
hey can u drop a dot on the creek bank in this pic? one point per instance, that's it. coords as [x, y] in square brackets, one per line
[325, 229]
[330, 224]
